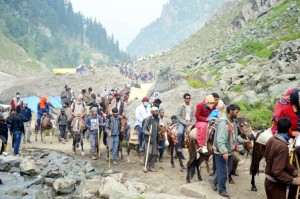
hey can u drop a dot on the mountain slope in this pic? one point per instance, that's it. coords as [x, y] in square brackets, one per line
[51, 32]
[178, 20]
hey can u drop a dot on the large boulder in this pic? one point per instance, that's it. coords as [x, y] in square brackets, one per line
[91, 188]
[28, 167]
[6, 163]
[202, 190]
[112, 189]
[64, 185]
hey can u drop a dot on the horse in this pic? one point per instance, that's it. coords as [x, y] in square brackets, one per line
[173, 142]
[244, 129]
[133, 140]
[124, 120]
[77, 130]
[47, 124]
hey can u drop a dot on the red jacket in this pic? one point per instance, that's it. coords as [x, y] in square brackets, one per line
[288, 111]
[14, 104]
[278, 107]
[202, 111]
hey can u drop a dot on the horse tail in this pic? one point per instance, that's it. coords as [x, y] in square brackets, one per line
[192, 168]
[256, 157]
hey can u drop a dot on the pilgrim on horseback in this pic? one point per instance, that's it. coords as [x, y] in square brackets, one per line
[92, 123]
[150, 130]
[279, 172]
[43, 111]
[203, 110]
[78, 108]
[113, 130]
[185, 116]
[17, 102]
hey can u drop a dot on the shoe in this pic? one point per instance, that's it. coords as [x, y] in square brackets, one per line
[213, 185]
[231, 181]
[5, 154]
[160, 160]
[28, 141]
[115, 163]
[179, 149]
[234, 173]
[94, 157]
[152, 170]
[211, 174]
[224, 194]
[17, 155]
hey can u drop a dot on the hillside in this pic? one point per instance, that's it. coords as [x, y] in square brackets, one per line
[179, 19]
[246, 46]
[52, 33]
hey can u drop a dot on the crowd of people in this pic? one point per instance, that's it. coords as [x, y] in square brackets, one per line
[102, 116]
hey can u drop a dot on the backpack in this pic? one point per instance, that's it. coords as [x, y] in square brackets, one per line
[88, 100]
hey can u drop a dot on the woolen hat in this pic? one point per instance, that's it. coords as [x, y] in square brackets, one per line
[209, 98]
[154, 108]
[114, 110]
[94, 109]
[145, 99]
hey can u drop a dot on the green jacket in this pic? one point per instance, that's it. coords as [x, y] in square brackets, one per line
[222, 137]
[181, 114]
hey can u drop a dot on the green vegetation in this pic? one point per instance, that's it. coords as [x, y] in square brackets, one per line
[198, 84]
[237, 88]
[51, 32]
[259, 115]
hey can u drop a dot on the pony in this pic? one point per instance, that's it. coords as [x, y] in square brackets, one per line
[122, 135]
[77, 132]
[133, 141]
[244, 129]
[47, 124]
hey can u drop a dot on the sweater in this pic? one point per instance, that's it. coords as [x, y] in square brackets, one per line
[202, 111]
[288, 111]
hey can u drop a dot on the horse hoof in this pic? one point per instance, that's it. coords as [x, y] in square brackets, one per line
[188, 181]
[200, 178]
[253, 188]
[82, 153]
[172, 165]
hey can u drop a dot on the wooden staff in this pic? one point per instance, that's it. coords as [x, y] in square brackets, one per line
[148, 147]
[99, 141]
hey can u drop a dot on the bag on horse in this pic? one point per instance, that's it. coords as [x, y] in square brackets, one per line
[134, 136]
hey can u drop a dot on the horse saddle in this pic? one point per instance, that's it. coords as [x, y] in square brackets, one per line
[264, 136]
[134, 136]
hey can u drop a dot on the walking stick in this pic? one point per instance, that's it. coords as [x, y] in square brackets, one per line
[99, 141]
[149, 140]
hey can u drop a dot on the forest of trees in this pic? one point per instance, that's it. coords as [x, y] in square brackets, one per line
[50, 30]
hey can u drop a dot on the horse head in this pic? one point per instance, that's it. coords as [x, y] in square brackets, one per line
[245, 131]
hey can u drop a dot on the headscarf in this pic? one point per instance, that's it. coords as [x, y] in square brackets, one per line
[295, 99]
[43, 102]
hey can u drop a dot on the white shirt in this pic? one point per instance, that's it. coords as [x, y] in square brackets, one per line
[141, 113]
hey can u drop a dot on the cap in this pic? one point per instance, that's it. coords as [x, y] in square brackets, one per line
[209, 98]
[115, 110]
[158, 101]
[62, 110]
[94, 109]
[154, 108]
[145, 99]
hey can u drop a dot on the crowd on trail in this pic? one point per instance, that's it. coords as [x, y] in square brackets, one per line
[209, 128]
[127, 70]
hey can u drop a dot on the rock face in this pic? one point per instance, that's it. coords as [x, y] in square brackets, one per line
[28, 167]
[64, 186]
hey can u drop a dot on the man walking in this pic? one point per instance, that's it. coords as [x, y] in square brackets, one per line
[62, 121]
[92, 123]
[163, 123]
[185, 116]
[150, 131]
[223, 140]
[113, 129]
[279, 172]
[27, 116]
[17, 128]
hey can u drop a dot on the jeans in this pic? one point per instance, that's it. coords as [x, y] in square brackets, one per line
[180, 132]
[62, 129]
[141, 135]
[161, 148]
[94, 143]
[222, 171]
[114, 146]
[17, 140]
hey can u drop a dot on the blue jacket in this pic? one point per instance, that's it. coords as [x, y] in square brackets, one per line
[26, 114]
[46, 110]
[93, 122]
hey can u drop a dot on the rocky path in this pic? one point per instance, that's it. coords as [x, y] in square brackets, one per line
[53, 171]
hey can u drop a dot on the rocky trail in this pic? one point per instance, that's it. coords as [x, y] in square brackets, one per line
[53, 171]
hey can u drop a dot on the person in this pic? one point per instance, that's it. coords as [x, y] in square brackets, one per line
[17, 102]
[3, 135]
[91, 93]
[113, 129]
[88, 100]
[27, 116]
[157, 102]
[68, 112]
[282, 102]
[292, 111]
[141, 113]
[15, 121]
[150, 130]
[43, 107]
[203, 110]
[62, 121]
[185, 113]
[279, 172]
[223, 140]
[216, 97]
[92, 123]
[163, 123]
[66, 95]
[116, 102]
[78, 109]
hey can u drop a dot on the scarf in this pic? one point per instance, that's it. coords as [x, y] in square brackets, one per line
[43, 102]
[285, 136]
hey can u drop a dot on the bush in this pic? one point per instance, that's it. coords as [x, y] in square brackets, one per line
[237, 88]
[258, 115]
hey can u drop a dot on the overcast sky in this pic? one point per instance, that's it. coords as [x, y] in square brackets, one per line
[123, 18]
